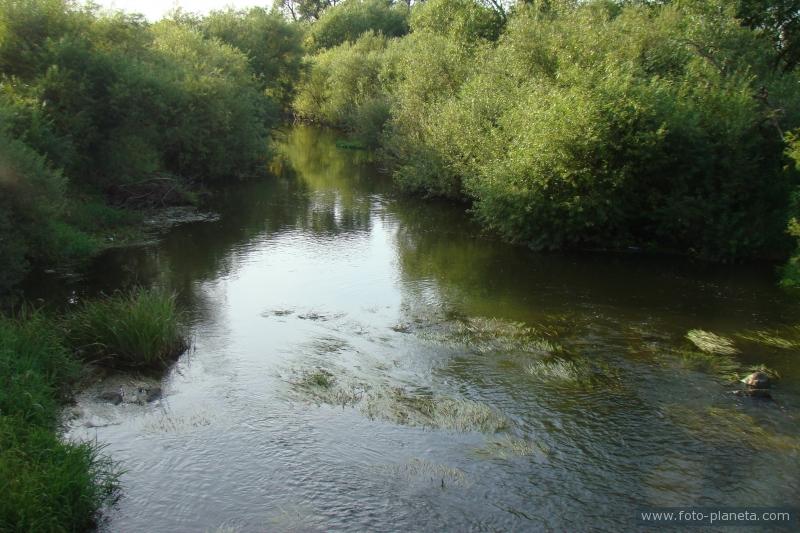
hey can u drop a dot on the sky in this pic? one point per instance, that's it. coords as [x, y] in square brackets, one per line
[155, 9]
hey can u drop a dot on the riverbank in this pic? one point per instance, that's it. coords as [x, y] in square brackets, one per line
[562, 129]
[104, 114]
[50, 484]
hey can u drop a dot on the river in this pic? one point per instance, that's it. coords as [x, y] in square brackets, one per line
[365, 361]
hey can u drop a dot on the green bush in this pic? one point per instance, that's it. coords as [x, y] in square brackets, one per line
[790, 278]
[140, 328]
[31, 197]
[272, 45]
[349, 19]
[111, 102]
[568, 124]
[464, 21]
[341, 81]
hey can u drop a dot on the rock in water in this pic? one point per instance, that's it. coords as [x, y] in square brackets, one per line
[757, 380]
[111, 397]
[153, 394]
[754, 393]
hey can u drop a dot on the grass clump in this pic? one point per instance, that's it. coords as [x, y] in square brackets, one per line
[321, 385]
[711, 343]
[487, 335]
[574, 373]
[725, 368]
[729, 426]
[786, 339]
[427, 410]
[399, 405]
[140, 328]
[319, 378]
[508, 447]
[46, 484]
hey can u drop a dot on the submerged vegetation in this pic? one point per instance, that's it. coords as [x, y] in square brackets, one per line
[598, 124]
[711, 343]
[398, 404]
[726, 426]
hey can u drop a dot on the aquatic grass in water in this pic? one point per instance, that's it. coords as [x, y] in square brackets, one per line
[579, 372]
[140, 328]
[166, 423]
[321, 385]
[557, 370]
[321, 379]
[711, 343]
[398, 405]
[485, 335]
[508, 447]
[421, 470]
[728, 426]
[723, 367]
[786, 339]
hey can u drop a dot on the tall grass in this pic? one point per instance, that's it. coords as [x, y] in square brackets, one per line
[45, 484]
[139, 328]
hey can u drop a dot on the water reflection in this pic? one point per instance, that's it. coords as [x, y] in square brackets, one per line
[365, 361]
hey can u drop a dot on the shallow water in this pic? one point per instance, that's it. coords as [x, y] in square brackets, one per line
[367, 362]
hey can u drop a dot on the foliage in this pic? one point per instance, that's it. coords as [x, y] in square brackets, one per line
[779, 22]
[31, 197]
[581, 124]
[464, 21]
[92, 103]
[304, 10]
[350, 19]
[47, 484]
[791, 270]
[141, 328]
[343, 87]
[272, 45]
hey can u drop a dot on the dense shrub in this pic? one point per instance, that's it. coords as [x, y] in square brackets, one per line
[94, 104]
[343, 87]
[31, 198]
[349, 19]
[272, 45]
[791, 270]
[464, 21]
[596, 124]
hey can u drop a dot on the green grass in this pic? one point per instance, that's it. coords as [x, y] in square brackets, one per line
[711, 343]
[46, 484]
[723, 367]
[139, 328]
[787, 338]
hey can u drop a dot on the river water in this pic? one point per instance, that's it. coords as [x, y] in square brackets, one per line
[362, 361]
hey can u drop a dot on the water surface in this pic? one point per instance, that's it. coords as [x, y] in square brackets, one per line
[367, 362]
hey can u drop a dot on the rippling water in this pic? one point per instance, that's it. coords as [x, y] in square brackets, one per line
[367, 362]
